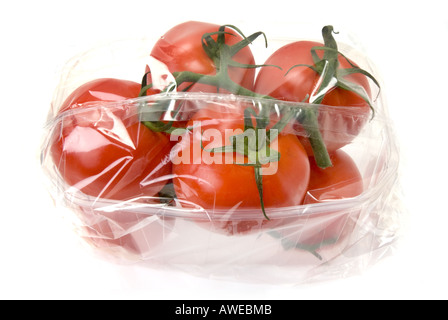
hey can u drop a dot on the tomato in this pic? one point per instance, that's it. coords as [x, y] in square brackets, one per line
[338, 124]
[180, 49]
[103, 89]
[102, 149]
[228, 190]
[342, 180]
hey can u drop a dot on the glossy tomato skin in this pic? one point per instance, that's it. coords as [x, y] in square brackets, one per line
[102, 149]
[226, 189]
[180, 49]
[338, 126]
[341, 181]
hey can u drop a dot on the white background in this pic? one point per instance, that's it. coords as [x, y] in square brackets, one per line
[40, 257]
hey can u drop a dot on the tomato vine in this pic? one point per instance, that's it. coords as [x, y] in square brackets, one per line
[214, 45]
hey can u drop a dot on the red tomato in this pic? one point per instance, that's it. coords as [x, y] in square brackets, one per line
[180, 49]
[104, 89]
[342, 180]
[339, 125]
[100, 148]
[103, 150]
[224, 188]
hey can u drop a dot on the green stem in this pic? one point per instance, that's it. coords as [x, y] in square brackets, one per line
[311, 125]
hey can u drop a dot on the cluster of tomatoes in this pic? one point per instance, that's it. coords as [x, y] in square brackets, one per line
[106, 151]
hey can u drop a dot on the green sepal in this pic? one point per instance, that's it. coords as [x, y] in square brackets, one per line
[234, 49]
[144, 84]
[259, 181]
[302, 65]
[158, 126]
[236, 64]
[345, 72]
[144, 89]
[357, 89]
[209, 45]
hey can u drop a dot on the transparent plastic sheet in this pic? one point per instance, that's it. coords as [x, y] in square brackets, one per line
[133, 209]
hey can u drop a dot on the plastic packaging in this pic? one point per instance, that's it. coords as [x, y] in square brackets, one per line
[188, 199]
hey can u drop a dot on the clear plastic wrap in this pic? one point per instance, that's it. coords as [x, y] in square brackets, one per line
[190, 198]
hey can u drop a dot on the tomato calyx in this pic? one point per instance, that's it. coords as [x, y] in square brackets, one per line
[255, 144]
[331, 75]
[222, 54]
